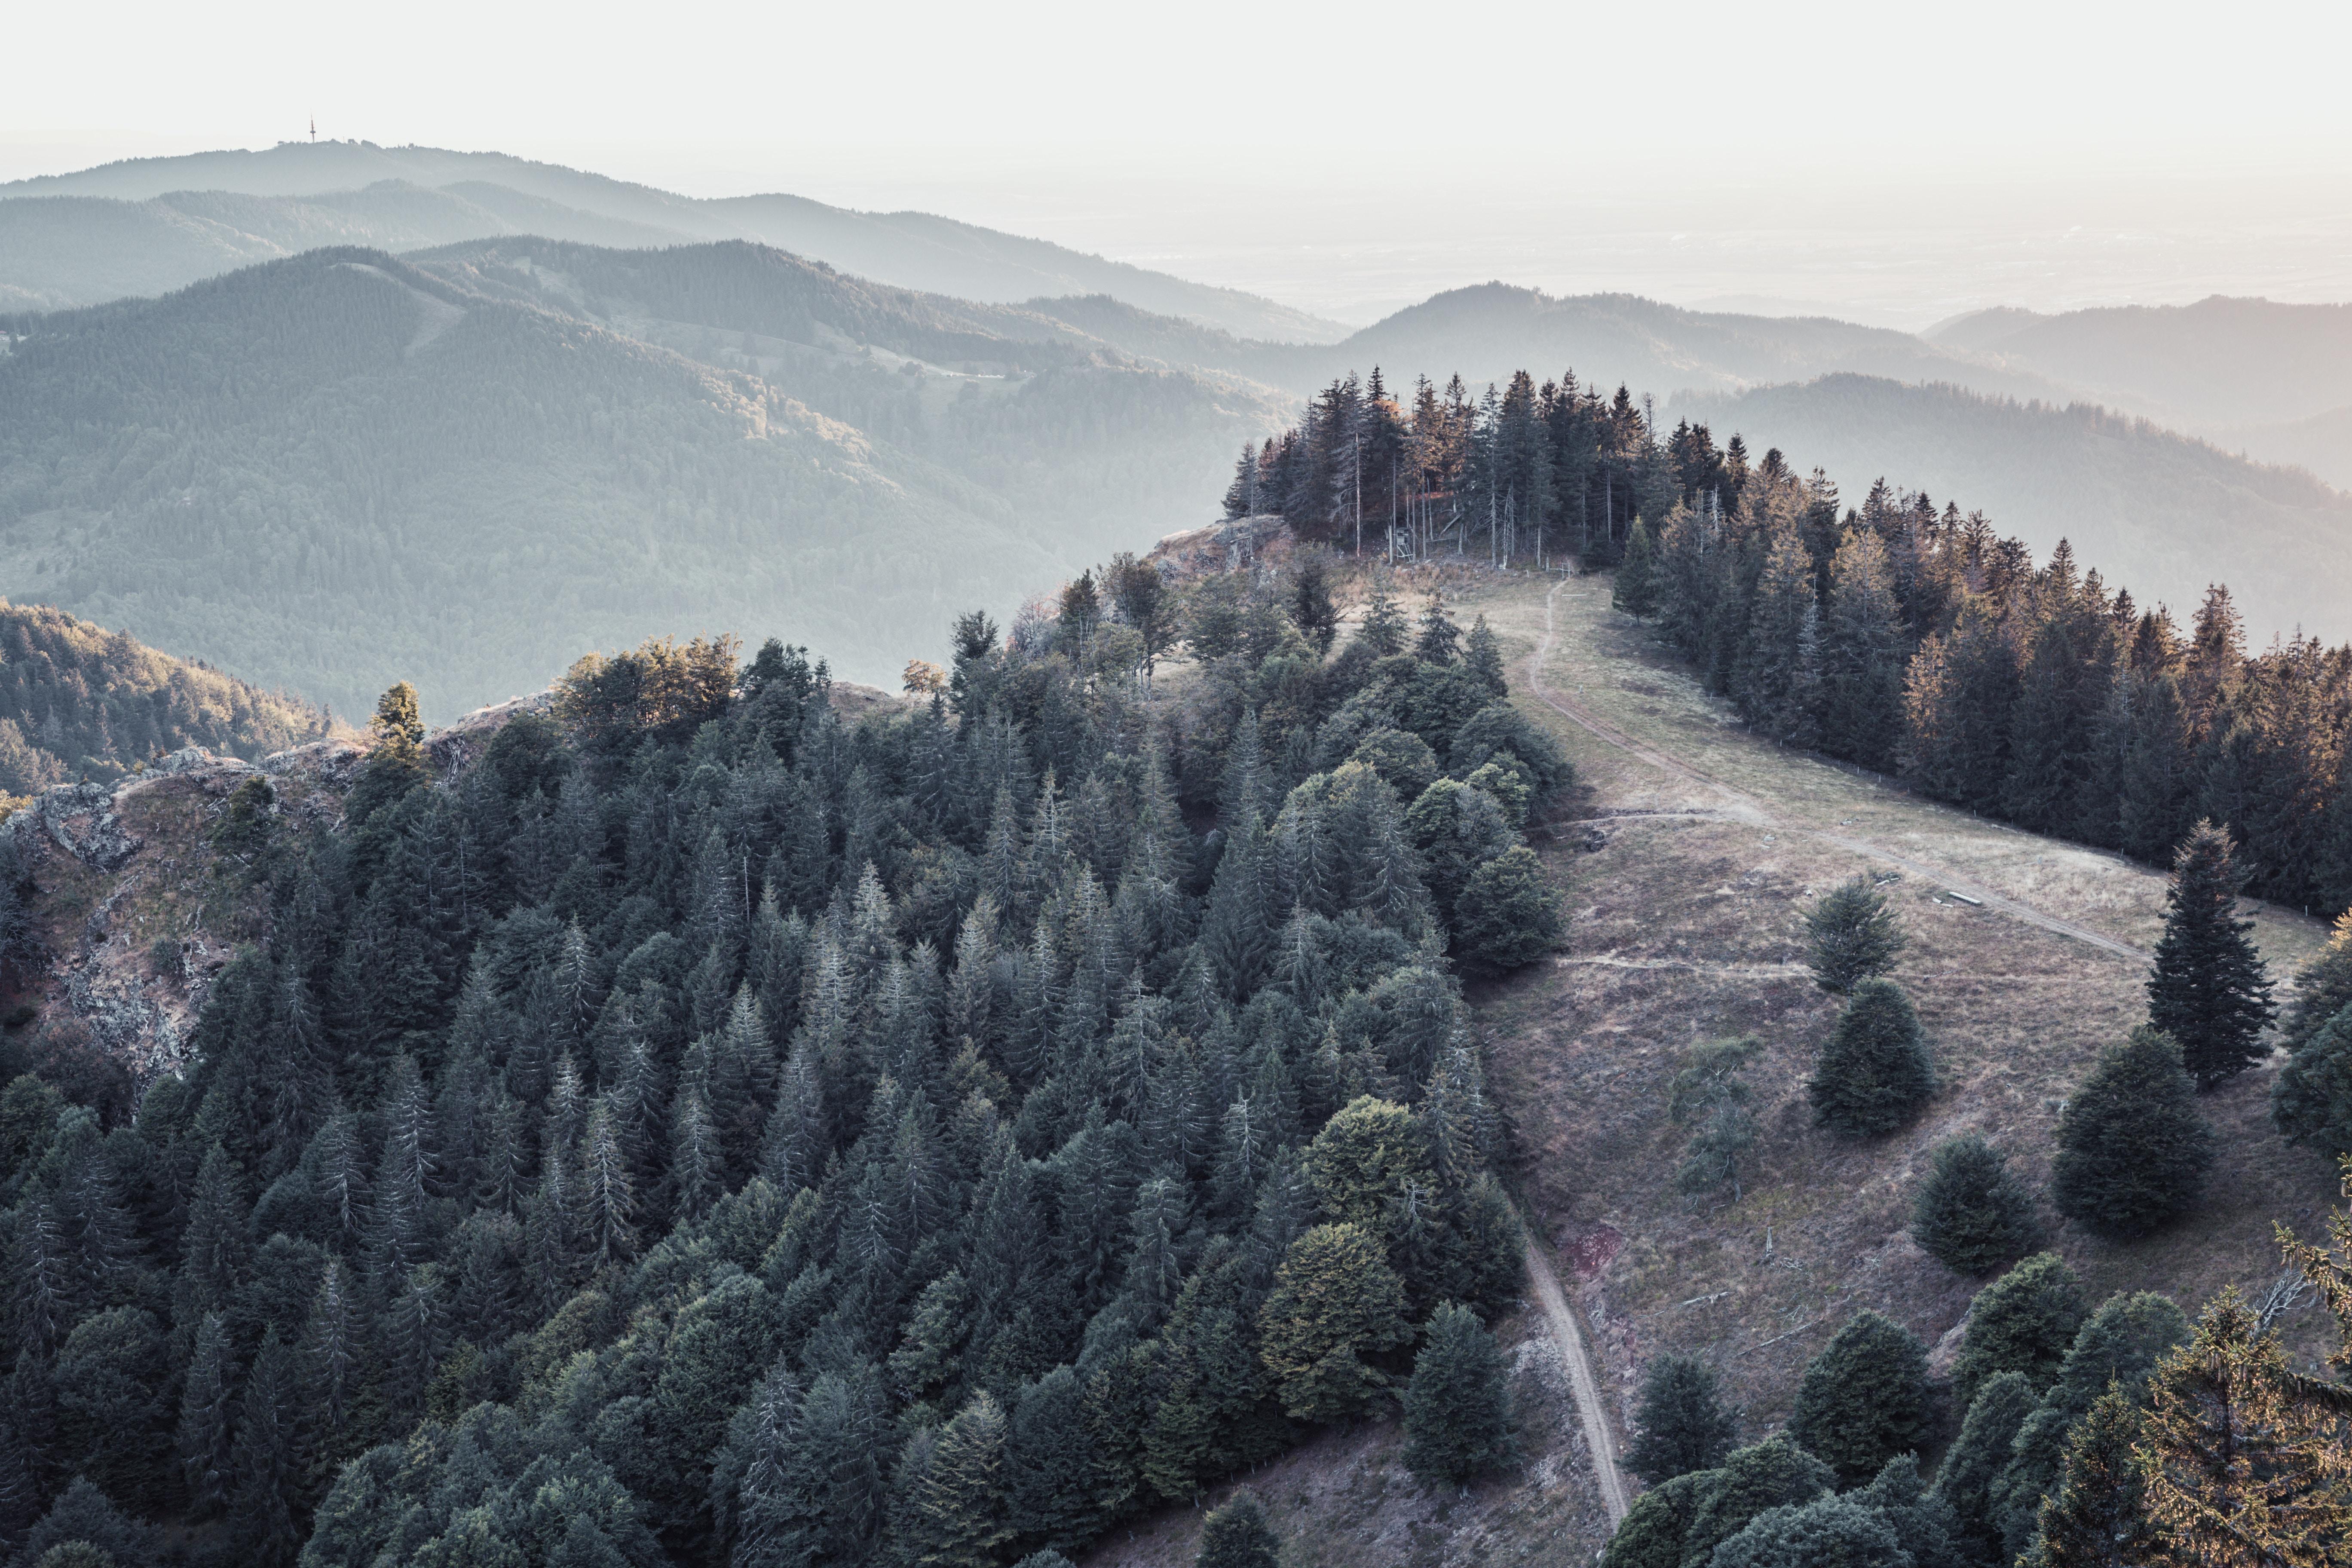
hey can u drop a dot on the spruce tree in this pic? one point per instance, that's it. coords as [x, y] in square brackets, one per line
[1873, 1075]
[1972, 1215]
[1484, 654]
[1865, 646]
[1776, 681]
[271, 1460]
[1440, 641]
[2208, 990]
[1458, 1407]
[1507, 916]
[1637, 588]
[1965, 1477]
[1382, 629]
[957, 1509]
[1680, 1422]
[1049, 1463]
[1841, 1530]
[2322, 986]
[1237, 1536]
[1775, 1473]
[2312, 1100]
[2097, 1516]
[203, 1439]
[2132, 1151]
[2024, 1321]
[1851, 935]
[1863, 1399]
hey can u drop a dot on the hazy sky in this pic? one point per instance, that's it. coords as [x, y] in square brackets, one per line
[1880, 160]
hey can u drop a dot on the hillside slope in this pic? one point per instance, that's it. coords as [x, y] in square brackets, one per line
[914, 250]
[334, 471]
[2163, 512]
[78, 699]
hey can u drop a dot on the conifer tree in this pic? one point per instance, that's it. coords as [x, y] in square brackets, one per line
[1458, 1407]
[2024, 1321]
[2096, 1516]
[2132, 1151]
[2312, 1100]
[1965, 1477]
[2323, 987]
[1637, 588]
[1680, 1422]
[1773, 1473]
[270, 1459]
[1508, 915]
[1873, 1075]
[1237, 1536]
[1972, 1215]
[2208, 990]
[1335, 1301]
[203, 1439]
[1440, 641]
[957, 1516]
[1482, 653]
[1777, 679]
[1863, 646]
[1851, 935]
[1863, 1399]
[1050, 1463]
[331, 1353]
[1383, 627]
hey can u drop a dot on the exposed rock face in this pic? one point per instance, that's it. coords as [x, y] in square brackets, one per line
[80, 819]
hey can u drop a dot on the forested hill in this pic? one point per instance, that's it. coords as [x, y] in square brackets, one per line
[333, 470]
[702, 1131]
[77, 701]
[509, 195]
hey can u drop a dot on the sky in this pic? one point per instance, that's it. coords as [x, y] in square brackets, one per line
[1880, 162]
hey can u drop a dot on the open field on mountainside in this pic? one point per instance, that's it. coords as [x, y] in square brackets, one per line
[1686, 864]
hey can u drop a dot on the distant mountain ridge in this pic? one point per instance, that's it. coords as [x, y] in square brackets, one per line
[915, 251]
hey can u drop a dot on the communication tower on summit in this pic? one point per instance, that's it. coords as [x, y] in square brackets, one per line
[314, 128]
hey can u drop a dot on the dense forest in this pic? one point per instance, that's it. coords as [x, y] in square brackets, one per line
[1900, 635]
[702, 1130]
[77, 700]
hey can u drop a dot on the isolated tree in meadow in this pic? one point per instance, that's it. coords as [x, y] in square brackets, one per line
[2208, 990]
[1875, 1074]
[1851, 935]
[1972, 1215]
[2132, 1151]
[1680, 1422]
[1237, 1536]
[2024, 1321]
[1457, 1406]
[1863, 1399]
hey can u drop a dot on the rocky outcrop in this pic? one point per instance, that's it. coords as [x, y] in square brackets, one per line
[81, 820]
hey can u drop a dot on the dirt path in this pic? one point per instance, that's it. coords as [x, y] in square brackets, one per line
[1721, 970]
[1749, 808]
[1570, 1336]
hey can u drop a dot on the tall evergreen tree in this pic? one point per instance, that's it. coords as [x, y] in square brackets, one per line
[1851, 935]
[2208, 990]
[1863, 648]
[1965, 1477]
[2024, 1321]
[1458, 1407]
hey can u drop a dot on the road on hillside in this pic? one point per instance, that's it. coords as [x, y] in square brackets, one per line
[1569, 1335]
[1749, 808]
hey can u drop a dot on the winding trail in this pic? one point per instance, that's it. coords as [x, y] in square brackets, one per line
[1570, 1336]
[1749, 808]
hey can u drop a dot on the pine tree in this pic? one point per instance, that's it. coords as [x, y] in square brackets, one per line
[1972, 1215]
[2209, 991]
[1852, 935]
[1873, 1075]
[2024, 1321]
[1237, 1536]
[2132, 1151]
[1863, 1399]
[1457, 1408]
[1681, 1423]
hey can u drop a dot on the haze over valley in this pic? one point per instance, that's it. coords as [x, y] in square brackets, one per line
[1247, 787]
